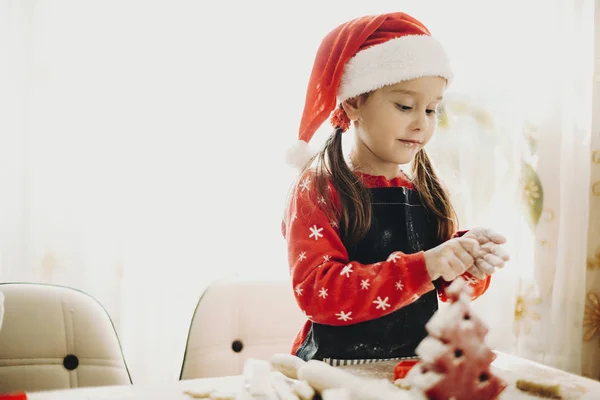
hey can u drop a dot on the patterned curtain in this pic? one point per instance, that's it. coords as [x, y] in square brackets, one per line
[527, 174]
[549, 309]
[591, 322]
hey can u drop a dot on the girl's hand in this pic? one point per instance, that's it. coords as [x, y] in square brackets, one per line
[452, 258]
[491, 254]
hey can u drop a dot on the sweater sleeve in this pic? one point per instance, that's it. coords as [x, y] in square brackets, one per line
[479, 286]
[330, 288]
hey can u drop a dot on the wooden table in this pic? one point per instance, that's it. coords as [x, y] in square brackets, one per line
[510, 368]
[173, 391]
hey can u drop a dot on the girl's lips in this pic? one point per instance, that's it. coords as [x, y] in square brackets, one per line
[411, 144]
[409, 141]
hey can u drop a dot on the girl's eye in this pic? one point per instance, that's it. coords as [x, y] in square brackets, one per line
[430, 111]
[403, 108]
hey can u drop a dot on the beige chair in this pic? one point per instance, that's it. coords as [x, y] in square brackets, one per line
[55, 337]
[236, 320]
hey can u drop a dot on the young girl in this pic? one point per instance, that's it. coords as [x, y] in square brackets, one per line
[371, 249]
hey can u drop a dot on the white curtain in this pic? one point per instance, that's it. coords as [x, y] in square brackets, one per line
[534, 151]
[563, 166]
[591, 320]
[142, 144]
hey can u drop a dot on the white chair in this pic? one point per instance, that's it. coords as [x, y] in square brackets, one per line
[236, 320]
[55, 337]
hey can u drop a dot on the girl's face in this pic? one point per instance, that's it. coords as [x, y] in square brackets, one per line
[395, 122]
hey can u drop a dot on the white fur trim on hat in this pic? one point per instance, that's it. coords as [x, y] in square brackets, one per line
[299, 154]
[399, 59]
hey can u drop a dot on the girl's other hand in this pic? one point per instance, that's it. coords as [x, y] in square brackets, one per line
[491, 254]
[452, 258]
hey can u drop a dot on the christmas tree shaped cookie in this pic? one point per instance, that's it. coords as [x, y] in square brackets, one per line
[454, 359]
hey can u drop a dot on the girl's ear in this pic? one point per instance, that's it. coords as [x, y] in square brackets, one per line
[351, 107]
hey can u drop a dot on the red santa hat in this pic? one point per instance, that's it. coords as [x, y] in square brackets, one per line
[360, 56]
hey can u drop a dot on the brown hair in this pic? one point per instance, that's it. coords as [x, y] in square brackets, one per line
[354, 211]
[433, 195]
[354, 208]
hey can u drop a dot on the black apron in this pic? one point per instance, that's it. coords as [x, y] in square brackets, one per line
[399, 223]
